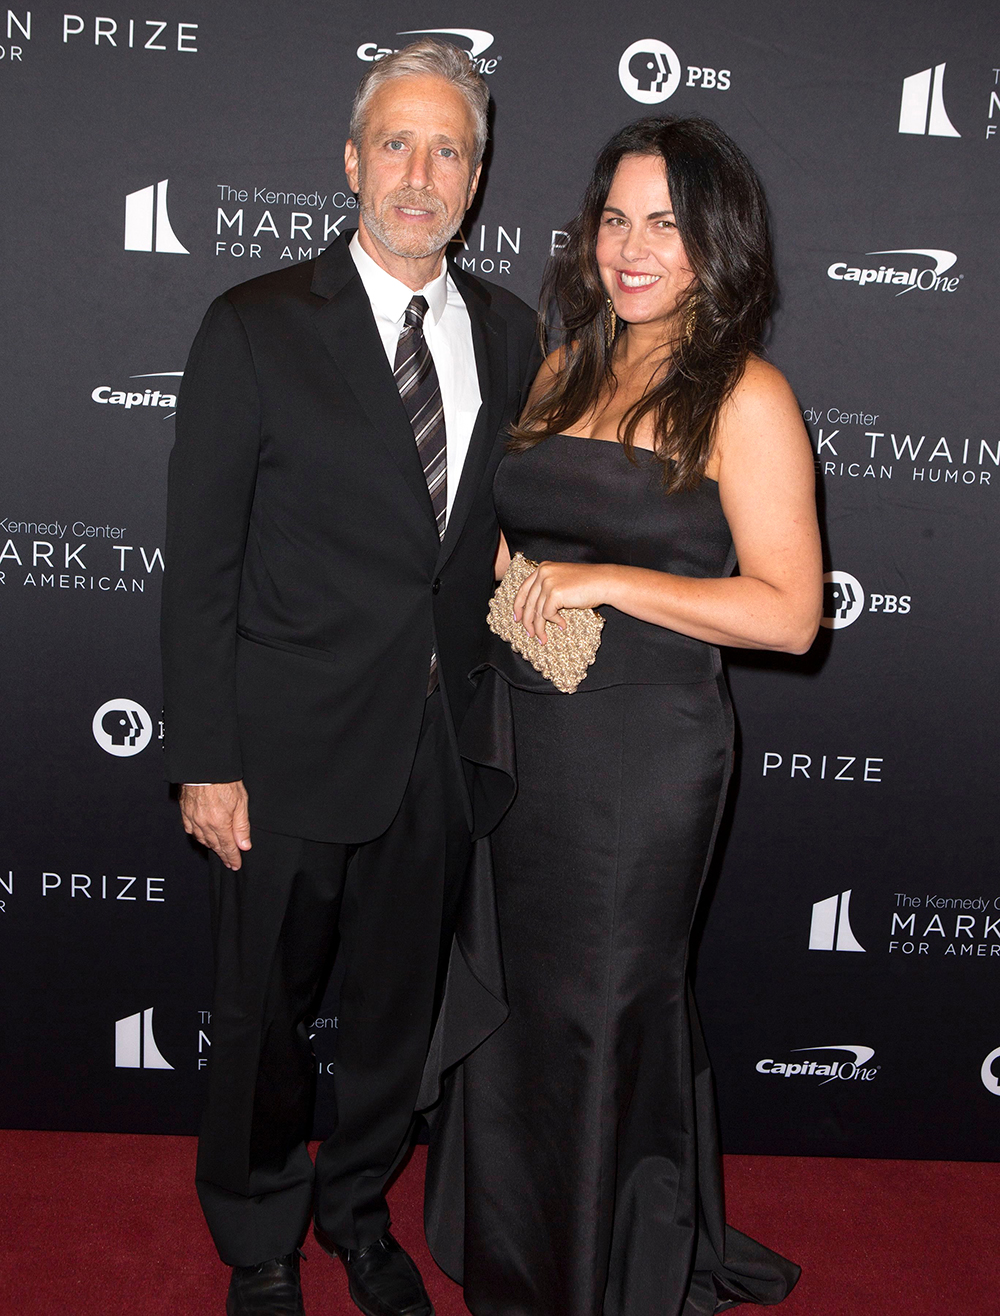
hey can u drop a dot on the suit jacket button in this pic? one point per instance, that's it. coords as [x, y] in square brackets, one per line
[435, 588]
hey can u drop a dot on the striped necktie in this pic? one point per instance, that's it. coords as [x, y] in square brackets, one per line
[418, 386]
[420, 392]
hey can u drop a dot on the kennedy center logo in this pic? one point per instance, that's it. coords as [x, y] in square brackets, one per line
[135, 1045]
[831, 924]
[921, 108]
[147, 224]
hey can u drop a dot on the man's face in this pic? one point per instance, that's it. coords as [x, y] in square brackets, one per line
[413, 171]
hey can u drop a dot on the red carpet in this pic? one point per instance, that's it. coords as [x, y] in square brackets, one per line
[105, 1225]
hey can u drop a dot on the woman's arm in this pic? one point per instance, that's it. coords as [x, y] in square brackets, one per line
[502, 561]
[547, 372]
[767, 487]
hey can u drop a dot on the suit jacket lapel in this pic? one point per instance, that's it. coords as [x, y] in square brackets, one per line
[347, 327]
[489, 340]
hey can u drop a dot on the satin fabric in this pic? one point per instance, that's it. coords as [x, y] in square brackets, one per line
[574, 1166]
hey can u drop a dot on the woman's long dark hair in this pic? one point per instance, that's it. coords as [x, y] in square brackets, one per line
[721, 213]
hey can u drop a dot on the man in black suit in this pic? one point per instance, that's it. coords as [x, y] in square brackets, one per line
[331, 537]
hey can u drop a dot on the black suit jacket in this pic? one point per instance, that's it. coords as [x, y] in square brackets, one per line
[305, 584]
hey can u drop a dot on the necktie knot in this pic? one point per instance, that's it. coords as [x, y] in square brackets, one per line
[413, 317]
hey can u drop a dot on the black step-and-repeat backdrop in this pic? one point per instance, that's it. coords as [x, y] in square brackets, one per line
[849, 966]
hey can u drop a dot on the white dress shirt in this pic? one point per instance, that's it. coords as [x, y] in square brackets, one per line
[448, 333]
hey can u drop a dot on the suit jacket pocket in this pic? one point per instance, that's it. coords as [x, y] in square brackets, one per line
[286, 646]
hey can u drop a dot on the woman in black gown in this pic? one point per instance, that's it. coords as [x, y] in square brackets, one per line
[574, 1169]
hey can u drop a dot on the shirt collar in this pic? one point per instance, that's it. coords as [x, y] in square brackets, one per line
[389, 298]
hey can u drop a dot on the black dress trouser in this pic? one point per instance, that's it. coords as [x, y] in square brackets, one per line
[386, 909]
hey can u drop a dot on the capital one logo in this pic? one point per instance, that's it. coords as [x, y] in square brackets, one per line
[649, 71]
[843, 600]
[990, 1081]
[479, 41]
[831, 924]
[856, 1069]
[908, 277]
[135, 1045]
[128, 398]
[921, 107]
[147, 224]
[122, 727]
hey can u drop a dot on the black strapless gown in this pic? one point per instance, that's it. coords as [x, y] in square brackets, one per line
[574, 1167]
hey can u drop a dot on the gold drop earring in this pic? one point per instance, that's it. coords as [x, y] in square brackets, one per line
[610, 323]
[690, 318]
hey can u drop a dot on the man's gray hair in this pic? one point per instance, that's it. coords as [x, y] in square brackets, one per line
[421, 59]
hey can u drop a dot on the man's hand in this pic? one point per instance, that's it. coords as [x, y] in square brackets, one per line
[218, 816]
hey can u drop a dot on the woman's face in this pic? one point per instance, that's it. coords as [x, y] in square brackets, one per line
[641, 257]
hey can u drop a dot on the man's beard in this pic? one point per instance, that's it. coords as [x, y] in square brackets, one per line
[397, 237]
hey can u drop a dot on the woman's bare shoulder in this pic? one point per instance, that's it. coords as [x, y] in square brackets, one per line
[555, 363]
[761, 395]
[761, 381]
[548, 372]
[761, 416]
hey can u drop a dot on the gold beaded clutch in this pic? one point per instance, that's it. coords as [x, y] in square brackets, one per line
[565, 656]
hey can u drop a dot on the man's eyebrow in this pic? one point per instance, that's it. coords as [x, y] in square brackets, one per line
[407, 133]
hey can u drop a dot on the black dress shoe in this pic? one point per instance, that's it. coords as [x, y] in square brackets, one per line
[384, 1281]
[270, 1289]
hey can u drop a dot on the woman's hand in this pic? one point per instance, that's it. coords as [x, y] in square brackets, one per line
[556, 585]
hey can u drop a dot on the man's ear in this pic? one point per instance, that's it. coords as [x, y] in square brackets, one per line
[351, 162]
[474, 184]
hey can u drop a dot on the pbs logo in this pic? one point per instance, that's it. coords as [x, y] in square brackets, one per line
[649, 71]
[843, 600]
[122, 727]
